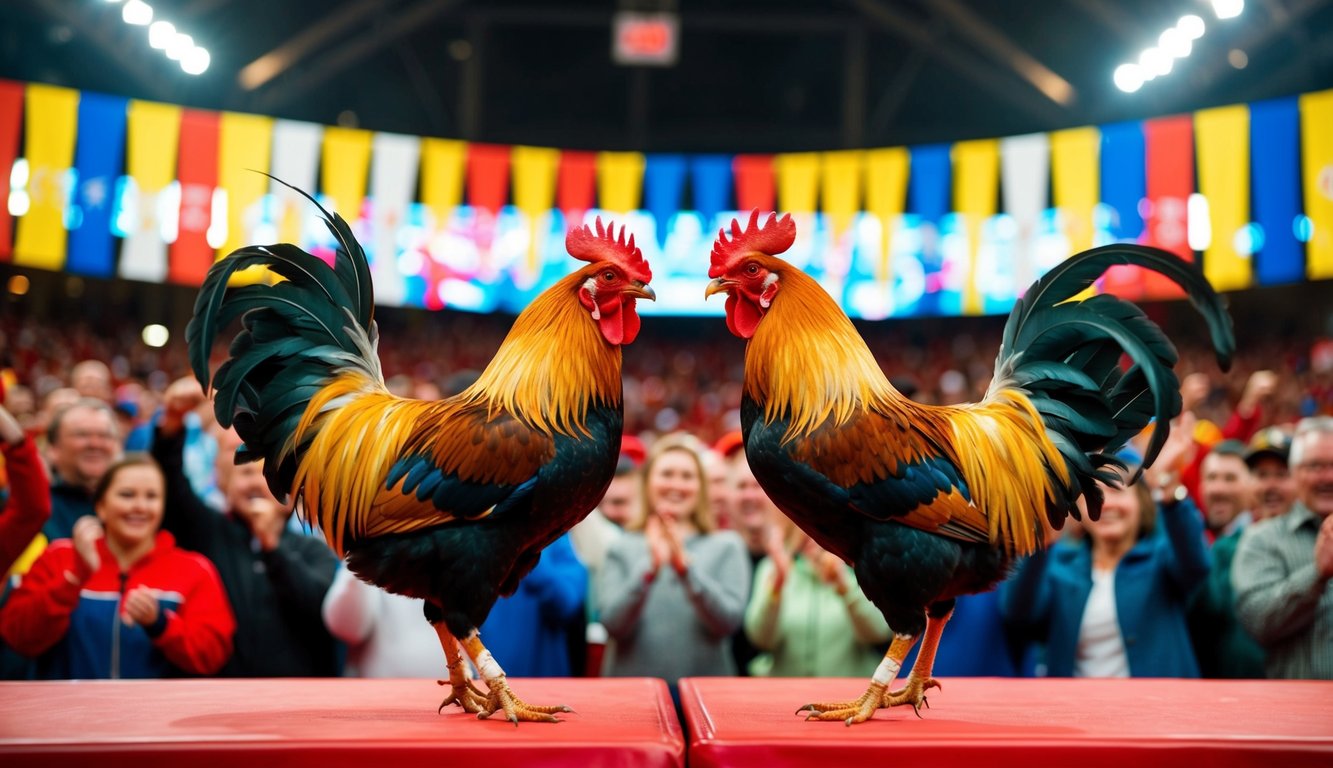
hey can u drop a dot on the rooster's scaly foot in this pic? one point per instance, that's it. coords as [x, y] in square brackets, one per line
[913, 693]
[515, 709]
[464, 695]
[850, 712]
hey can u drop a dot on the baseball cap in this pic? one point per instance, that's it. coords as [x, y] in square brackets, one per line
[1270, 441]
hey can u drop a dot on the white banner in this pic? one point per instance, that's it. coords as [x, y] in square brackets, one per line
[295, 161]
[1025, 177]
[393, 185]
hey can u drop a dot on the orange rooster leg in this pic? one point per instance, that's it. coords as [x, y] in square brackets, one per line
[500, 697]
[875, 696]
[464, 693]
[920, 681]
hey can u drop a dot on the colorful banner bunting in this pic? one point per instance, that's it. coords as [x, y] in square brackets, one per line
[576, 186]
[1223, 138]
[663, 188]
[11, 125]
[99, 161]
[1275, 172]
[487, 176]
[1025, 175]
[393, 181]
[1169, 150]
[244, 146]
[1074, 183]
[976, 182]
[1317, 160]
[710, 186]
[840, 176]
[191, 255]
[153, 211]
[619, 181]
[442, 164]
[928, 198]
[535, 171]
[1124, 179]
[296, 161]
[50, 127]
[797, 175]
[886, 198]
[344, 166]
[754, 183]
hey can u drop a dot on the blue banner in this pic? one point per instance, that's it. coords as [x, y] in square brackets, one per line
[1124, 172]
[663, 187]
[98, 162]
[929, 193]
[710, 186]
[1276, 202]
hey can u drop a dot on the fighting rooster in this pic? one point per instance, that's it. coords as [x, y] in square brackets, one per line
[931, 502]
[449, 501]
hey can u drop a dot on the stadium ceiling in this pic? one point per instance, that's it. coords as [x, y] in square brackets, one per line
[751, 75]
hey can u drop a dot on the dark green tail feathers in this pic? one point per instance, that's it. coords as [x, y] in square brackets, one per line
[1066, 355]
[296, 334]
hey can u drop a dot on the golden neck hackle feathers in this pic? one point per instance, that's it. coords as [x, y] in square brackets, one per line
[803, 321]
[551, 365]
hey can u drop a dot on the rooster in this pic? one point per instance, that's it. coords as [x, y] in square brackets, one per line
[450, 501]
[931, 502]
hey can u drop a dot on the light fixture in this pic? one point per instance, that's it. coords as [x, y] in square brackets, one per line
[1192, 26]
[1155, 62]
[137, 12]
[160, 34]
[156, 335]
[1129, 77]
[1228, 9]
[195, 61]
[180, 45]
[1175, 43]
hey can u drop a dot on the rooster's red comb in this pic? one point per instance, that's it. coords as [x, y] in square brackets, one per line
[773, 238]
[606, 246]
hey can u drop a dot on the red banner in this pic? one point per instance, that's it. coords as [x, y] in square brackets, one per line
[1169, 147]
[576, 185]
[488, 176]
[11, 124]
[197, 170]
[754, 183]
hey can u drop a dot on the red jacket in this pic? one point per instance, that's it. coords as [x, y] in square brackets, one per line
[29, 501]
[75, 629]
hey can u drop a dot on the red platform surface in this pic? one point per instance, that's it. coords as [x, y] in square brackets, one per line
[994, 723]
[330, 723]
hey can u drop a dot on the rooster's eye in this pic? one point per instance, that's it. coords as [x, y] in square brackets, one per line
[752, 269]
[609, 276]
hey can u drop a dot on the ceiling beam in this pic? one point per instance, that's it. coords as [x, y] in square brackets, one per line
[1130, 30]
[1006, 51]
[263, 69]
[399, 24]
[919, 34]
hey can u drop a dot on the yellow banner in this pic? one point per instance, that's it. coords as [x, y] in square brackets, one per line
[344, 168]
[1317, 174]
[619, 181]
[886, 197]
[797, 177]
[1076, 182]
[244, 149]
[442, 170]
[153, 132]
[976, 179]
[50, 125]
[1222, 141]
[534, 170]
[840, 189]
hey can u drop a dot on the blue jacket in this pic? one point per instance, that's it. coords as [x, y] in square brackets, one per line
[526, 632]
[1153, 584]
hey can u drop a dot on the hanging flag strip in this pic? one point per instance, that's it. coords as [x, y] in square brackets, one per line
[663, 188]
[191, 255]
[1317, 159]
[534, 193]
[487, 176]
[442, 163]
[1275, 171]
[393, 180]
[1025, 174]
[1223, 137]
[754, 183]
[839, 175]
[50, 126]
[710, 186]
[576, 186]
[11, 124]
[797, 176]
[99, 161]
[976, 181]
[1169, 149]
[928, 198]
[886, 197]
[1124, 179]
[296, 161]
[150, 159]
[344, 166]
[1074, 182]
[244, 146]
[619, 181]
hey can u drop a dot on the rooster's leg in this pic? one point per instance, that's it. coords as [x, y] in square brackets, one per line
[920, 681]
[864, 708]
[463, 693]
[501, 698]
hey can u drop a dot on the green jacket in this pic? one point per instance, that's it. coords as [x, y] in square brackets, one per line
[1223, 647]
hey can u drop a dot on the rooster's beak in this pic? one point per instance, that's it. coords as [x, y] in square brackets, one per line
[640, 291]
[718, 286]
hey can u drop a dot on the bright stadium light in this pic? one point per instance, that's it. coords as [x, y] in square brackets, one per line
[160, 34]
[1191, 25]
[1155, 62]
[137, 12]
[1175, 43]
[1129, 77]
[196, 61]
[180, 45]
[1228, 9]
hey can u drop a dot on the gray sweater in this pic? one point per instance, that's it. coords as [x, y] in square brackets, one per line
[673, 627]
